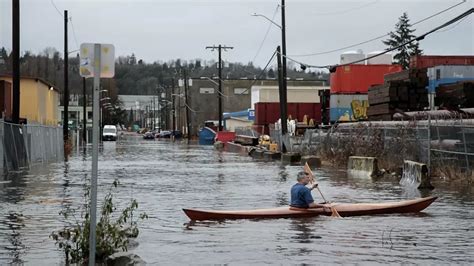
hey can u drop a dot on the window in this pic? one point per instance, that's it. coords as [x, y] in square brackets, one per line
[241, 91]
[89, 115]
[206, 90]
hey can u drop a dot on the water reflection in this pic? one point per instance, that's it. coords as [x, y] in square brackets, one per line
[15, 247]
[13, 191]
[303, 231]
[165, 177]
[282, 199]
[283, 173]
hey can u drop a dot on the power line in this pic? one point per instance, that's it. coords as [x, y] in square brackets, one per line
[378, 37]
[346, 11]
[266, 34]
[74, 33]
[261, 73]
[419, 38]
[452, 27]
[261, 44]
[55, 7]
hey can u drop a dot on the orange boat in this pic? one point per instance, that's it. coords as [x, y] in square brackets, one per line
[344, 210]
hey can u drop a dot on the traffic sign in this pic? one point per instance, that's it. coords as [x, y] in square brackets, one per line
[107, 60]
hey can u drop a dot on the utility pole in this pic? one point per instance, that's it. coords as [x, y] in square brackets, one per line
[153, 115]
[188, 129]
[283, 104]
[219, 94]
[16, 60]
[174, 109]
[146, 116]
[283, 72]
[66, 82]
[84, 112]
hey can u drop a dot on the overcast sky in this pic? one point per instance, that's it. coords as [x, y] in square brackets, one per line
[164, 30]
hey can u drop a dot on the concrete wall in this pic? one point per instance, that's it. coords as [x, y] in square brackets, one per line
[359, 164]
[296, 94]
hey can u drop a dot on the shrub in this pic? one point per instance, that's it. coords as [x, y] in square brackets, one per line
[113, 233]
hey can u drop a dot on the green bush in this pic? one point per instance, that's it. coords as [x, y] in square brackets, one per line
[113, 232]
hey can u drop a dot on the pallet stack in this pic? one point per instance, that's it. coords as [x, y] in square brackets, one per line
[456, 95]
[401, 91]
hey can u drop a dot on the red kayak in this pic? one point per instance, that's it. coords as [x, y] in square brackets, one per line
[344, 210]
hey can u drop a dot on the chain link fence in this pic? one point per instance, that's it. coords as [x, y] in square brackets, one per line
[445, 146]
[27, 145]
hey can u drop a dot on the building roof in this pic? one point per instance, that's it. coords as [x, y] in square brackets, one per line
[34, 78]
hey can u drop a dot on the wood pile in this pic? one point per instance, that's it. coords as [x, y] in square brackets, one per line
[246, 140]
[401, 91]
[456, 95]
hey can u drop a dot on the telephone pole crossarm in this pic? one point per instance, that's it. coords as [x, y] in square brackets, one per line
[220, 48]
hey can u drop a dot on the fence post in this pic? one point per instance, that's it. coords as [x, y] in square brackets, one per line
[429, 145]
[465, 146]
[14, 146]
[24, 128]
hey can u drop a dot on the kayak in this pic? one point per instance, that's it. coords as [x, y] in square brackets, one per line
[344, 210]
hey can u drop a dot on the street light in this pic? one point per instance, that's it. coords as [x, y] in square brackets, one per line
[265, 17]
[283, 94]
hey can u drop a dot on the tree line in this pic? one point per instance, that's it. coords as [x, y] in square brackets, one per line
[134, 76]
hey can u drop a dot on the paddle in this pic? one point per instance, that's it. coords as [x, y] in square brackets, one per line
[308, 170]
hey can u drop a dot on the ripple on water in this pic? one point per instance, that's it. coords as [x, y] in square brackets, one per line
[166, 177]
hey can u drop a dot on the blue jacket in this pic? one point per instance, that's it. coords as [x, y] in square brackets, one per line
[300, 196]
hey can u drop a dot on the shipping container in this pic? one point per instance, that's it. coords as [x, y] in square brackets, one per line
[295, 94]
[446, 74]
[268, 113]
[348, 107]
[358, 78]
[450, 71]
[426, 61]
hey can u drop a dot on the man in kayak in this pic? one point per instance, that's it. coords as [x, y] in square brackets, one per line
[301, 195]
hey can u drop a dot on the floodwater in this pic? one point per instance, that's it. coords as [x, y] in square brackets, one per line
[165, 177]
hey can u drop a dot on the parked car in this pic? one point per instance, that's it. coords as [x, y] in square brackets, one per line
[164, 134]
[149, 135]
[109, 132]
[167, 134]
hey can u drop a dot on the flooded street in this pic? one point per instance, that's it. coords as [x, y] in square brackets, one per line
[165, 177]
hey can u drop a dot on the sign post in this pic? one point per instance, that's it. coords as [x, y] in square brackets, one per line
[97, 60]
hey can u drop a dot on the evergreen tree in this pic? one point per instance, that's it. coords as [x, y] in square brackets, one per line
[402, 34]
[271, 73]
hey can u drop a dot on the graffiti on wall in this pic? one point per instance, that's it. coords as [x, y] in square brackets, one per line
[359, 109]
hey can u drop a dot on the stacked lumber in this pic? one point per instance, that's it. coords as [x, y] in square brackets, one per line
[401, 91]
[455, 95]
[246, 140]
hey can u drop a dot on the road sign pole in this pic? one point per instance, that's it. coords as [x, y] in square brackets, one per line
[95, 154]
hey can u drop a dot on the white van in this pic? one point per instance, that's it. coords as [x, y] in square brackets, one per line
[109, 132]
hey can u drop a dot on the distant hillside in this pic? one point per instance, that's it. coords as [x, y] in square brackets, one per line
[135, 77]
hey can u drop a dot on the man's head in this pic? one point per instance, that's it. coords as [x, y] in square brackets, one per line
[303, 178]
